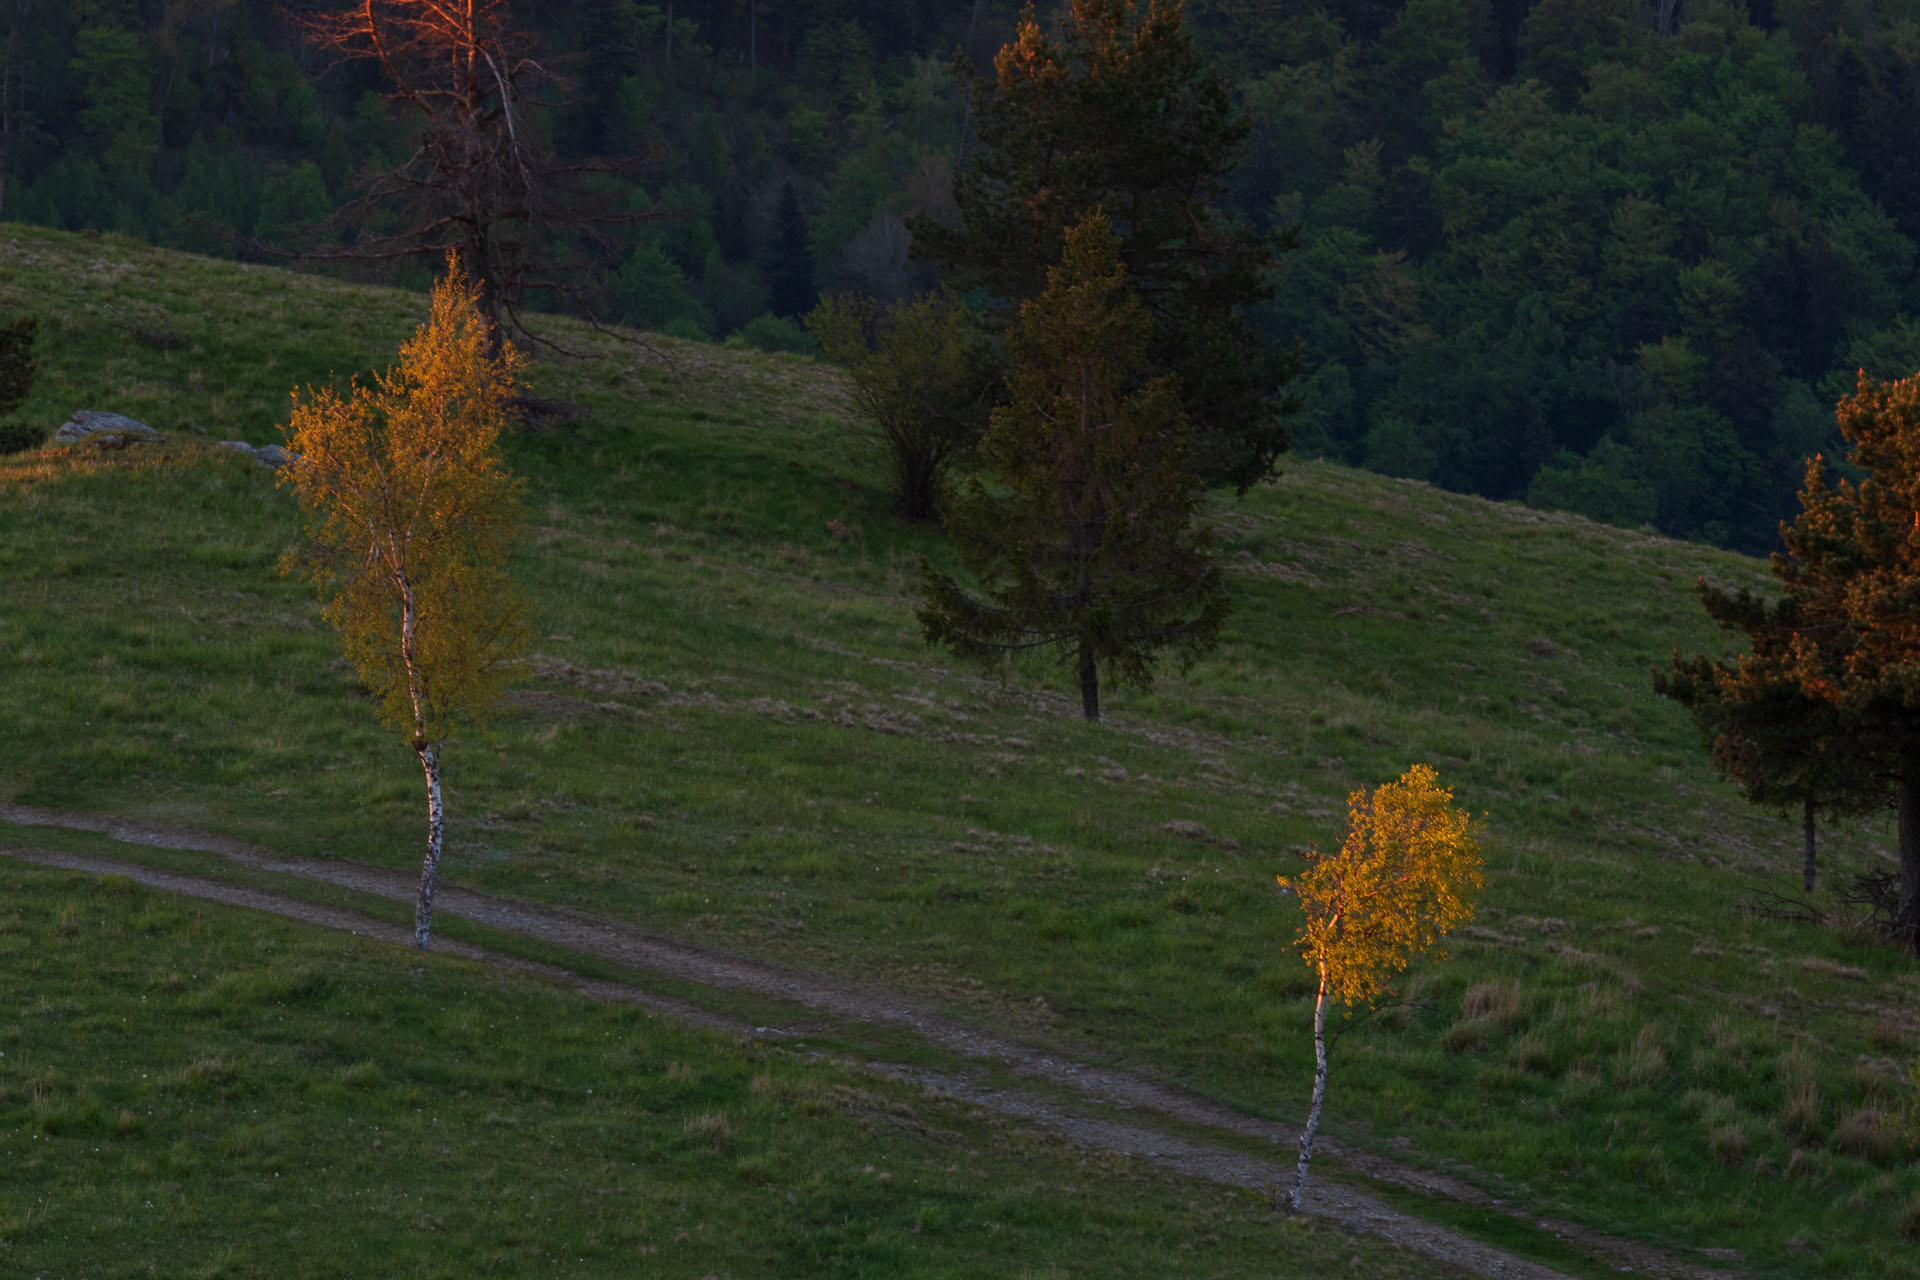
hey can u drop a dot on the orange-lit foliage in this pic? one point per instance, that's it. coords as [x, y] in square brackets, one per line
[410, 509]
[1030, 55]
[1406, 874]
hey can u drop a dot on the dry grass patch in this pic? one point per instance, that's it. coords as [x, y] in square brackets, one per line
[1501, 1003]
[1888, 1034]
[1910, 1220]
[1877, 1079]
[1532, 1054]
[1802, 1116]
[710, 1128]
[1644, 1062]
[1465, 1037]
[1726, 1038]
[1729, 1145]
[1488, 1009]
[1868, 1134]
[1820, 964]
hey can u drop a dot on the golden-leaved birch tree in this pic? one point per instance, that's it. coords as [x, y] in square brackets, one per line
[1406, 875]
[410, 511]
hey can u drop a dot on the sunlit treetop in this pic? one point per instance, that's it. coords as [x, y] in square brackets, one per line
[1406, 875]
[409, 510]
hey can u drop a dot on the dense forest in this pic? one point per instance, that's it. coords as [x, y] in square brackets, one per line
[1613, 256]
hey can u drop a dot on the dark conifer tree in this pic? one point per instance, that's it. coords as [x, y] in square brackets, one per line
[1787, 749]
[789, 271]
[610, 31]
[1836, 664]
[17, 363]
[1085, 543]
[1123, 114]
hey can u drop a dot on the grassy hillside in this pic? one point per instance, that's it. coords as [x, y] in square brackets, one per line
[731, 732]
[192, 1090]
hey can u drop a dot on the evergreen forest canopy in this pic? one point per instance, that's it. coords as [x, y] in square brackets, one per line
[1613, 256]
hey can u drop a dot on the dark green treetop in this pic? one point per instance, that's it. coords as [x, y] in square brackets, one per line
[790, 282]
[1122, 113]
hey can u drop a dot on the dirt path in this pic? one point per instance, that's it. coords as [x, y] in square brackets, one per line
[579, 932]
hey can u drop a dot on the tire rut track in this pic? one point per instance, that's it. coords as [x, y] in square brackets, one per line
[707, 967]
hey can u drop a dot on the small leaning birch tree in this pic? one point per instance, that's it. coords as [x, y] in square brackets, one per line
[410, 510]
[1405, 876]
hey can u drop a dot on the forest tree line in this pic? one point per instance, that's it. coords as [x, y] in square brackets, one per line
[1619, 257]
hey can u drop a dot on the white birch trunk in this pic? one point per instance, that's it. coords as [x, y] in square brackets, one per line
[1319, 1094]
[436, 829]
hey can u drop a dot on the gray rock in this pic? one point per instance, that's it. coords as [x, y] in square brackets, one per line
[113, 430]
[238, 446]
[273, 456]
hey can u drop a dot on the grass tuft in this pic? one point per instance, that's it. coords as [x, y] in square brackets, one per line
[1868, 1134]
[1642, 1063]
[711, 1129]
[1729, 1145]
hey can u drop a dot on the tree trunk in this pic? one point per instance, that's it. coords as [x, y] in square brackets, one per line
[1319, 1094]
[1906, 922]
[1806, 868]
[436, 831]
[918, 480]
[1089, 684]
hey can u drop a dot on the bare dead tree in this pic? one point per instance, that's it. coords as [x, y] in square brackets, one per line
[479, 182]
[878, 261]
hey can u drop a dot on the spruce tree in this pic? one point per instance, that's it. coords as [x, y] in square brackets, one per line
[1123, 113]
[790, 286]
[1827, 706]
[1085, 541]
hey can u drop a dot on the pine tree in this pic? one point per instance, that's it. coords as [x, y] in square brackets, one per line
[1085, 542]
[1122, 113]
[1784, 747]
[1828, 703]
[790, 285]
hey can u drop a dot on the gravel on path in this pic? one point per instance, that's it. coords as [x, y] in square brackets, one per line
[580, 932]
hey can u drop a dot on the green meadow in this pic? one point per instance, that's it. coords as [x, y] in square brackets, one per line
[731, 733]
[192, 1090]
